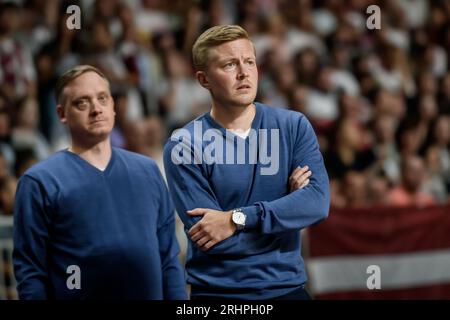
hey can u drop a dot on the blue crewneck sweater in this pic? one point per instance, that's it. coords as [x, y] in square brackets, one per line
[264, 260]
[116, 225]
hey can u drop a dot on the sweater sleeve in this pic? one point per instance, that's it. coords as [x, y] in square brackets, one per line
[303, 207]
[31, 225]
[174, 284]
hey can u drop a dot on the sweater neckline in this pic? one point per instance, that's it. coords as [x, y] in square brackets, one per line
[255, 123]
[87, 164]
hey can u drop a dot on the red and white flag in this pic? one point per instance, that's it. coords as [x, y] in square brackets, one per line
[381, 253]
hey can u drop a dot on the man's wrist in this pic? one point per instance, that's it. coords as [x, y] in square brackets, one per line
[238, 217]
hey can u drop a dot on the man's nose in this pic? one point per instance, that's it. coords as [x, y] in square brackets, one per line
[242, 71]
[96, 108]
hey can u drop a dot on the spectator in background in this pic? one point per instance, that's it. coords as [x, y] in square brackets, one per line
[17, 70]
[435, 181]
[410, 191]
[355, 187]
[108, 13]
[426, 84]
[426, 114]
[284, 79]
[307, 64]
[8, 186]
[178, 85]
[385, 148]
[409, 139]
[392, 71]
[378, 189]
[441, 144]
[389, 103]
[341, 77]
[102, 53]
[6, 149]
[4, 167]
[321, 101]
[337, 198]
[348, 153]
[26, 134]
[60, 53]
[444, 95]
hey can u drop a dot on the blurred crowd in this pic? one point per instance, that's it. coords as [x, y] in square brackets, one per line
[379, 100]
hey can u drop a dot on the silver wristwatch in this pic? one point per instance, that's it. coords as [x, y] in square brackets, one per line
[238, 217]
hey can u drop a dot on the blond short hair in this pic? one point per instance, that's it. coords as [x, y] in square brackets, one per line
[213, 37]
[70, 75]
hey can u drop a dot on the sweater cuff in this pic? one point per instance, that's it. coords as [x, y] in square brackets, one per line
[253, 214]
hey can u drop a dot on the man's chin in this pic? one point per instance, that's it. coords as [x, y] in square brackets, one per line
[242, 103]
[99, 134]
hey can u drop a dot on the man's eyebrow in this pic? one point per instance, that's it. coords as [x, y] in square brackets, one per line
[231, 59]
[81, 97]
[88, 96]
[226, 58]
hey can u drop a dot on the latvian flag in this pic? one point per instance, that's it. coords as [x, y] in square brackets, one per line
[381, 253]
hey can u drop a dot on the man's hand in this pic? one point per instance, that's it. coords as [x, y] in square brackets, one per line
[214, 227]
[299, 178]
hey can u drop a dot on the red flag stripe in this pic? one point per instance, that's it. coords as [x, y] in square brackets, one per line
[381, 231]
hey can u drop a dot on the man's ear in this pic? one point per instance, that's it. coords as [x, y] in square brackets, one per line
[202, 79]
[61, 113]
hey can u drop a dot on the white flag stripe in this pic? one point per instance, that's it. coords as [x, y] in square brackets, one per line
[398, 271]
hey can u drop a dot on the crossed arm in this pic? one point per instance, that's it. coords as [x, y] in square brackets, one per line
[216, 226]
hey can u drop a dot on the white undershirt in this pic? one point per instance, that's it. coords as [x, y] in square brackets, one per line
[241, 133]
[101, 169]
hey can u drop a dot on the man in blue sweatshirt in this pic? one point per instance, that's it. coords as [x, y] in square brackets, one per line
[245, 178]
[92, 221]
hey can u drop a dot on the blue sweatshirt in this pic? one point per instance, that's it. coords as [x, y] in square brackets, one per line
[117, 226]
[264, 260]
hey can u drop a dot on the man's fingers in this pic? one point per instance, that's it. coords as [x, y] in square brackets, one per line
[208, 245]
[196, 228]
[304, 184]
[298, 172]
[294, 176]
[302, 176]
[300, 179]
[196, 236]
[295, 171]
[203, 241]
[197, 212]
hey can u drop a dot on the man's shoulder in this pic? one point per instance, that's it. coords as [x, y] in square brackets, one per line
[187, 132]
[280, 113]
[53, 164]
[132, 157]
[190, 126]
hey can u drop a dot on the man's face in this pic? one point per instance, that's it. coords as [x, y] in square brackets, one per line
[231, 74]
[413, 173]
[88, 108]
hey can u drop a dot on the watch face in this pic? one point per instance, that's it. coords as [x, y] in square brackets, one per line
[239, 218]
